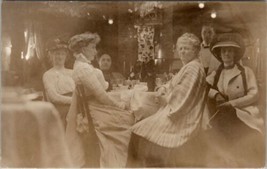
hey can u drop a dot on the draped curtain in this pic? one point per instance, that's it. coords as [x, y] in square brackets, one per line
[35, 55]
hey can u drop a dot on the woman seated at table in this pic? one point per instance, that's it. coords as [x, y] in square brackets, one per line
[105, 63]
[172, 130]
[110, 121]
[236, 120]
[58, 83]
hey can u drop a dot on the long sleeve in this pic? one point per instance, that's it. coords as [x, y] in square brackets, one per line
[101, 79]
[210, 80]
[186, 91]
[252, 91]
[52, 94]
[92, 84]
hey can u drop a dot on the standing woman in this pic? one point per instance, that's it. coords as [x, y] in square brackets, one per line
[58, 82]
[109, 118]
[236, 120]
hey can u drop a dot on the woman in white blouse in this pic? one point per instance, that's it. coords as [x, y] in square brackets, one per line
[110, 121]
[58, 83]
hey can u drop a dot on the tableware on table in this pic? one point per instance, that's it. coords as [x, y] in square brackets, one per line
[119, 82]
[158, 82]
[127, 82]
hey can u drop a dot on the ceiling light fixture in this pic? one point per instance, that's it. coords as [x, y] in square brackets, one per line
[110, 21]
[213, 15]
[201, 5]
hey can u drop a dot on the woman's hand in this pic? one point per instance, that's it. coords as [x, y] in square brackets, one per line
[226, 106]
[122, 105]
[161, 100]
[161, 91]
[219, 99]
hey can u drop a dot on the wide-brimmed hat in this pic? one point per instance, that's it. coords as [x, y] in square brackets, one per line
[78, 41]
[228, 40]
[56, 43]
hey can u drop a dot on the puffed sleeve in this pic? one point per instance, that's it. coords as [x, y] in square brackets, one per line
[252, 91]
[91, 83]
[101, 79]
[186, 92]
[52, 94]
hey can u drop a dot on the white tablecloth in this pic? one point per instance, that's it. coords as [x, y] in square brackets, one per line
[32, 136]
[141, 103]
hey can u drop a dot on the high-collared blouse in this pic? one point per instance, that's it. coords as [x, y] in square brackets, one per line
[93, 81]
[57, 84]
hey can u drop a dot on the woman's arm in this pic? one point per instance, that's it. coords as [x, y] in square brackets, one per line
[210, 79]
[50, 89]
[91, 83]
[185, 94]
[252, 91]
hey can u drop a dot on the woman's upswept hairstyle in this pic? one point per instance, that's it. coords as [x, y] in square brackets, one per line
[81, 40]
[189, 38]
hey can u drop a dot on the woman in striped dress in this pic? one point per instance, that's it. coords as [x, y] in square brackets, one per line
[166, 138]
[111, 122]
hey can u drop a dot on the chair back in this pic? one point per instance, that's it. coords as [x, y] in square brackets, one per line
[91, 141]
[83, 106]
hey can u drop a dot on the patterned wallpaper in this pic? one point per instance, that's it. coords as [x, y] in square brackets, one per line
[145, 38]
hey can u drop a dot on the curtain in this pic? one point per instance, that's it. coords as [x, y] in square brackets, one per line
[34, 55]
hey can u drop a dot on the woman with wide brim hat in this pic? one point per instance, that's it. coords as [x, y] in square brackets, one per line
[235, 116]
[58, 82]
[110, 121]
[228, 40]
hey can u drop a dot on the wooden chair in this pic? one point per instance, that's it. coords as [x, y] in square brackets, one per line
[91, 141]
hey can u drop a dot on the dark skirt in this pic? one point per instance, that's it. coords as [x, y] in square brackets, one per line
[143, 153]
[233, 143]
[63, 110]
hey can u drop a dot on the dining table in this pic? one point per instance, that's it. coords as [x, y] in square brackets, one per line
[32, 134]
[137, 99]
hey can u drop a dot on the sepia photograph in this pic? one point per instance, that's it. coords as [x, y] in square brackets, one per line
[133, 84]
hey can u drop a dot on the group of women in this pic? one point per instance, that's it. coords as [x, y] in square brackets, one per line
[169, 137]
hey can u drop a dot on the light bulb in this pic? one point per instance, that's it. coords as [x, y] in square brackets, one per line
[201, 5]
[213, 15]
[110, 21]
